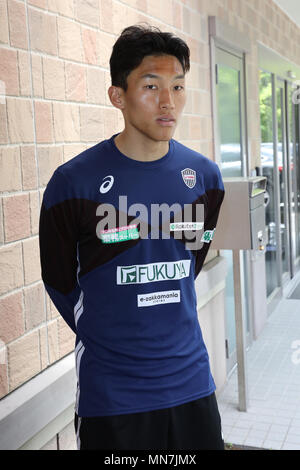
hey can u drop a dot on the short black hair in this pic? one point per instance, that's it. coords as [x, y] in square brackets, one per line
[138, 41]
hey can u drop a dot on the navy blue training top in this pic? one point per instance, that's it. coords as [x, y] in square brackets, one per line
[126, 288]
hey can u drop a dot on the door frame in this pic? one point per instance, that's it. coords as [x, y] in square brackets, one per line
[236, 60]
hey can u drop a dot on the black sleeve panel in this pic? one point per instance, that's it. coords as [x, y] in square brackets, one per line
[214, 201]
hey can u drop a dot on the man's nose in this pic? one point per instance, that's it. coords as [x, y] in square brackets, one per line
[166, 99]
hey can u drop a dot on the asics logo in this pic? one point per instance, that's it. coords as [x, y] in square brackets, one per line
[108, 181]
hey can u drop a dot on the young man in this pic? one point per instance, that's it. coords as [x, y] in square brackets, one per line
[127, 289]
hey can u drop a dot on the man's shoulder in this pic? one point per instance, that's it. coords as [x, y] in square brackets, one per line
[83, 161]
[73, 178]
[206, 166]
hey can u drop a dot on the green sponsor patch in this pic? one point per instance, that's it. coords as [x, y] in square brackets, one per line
[207, 236]
[121, 234]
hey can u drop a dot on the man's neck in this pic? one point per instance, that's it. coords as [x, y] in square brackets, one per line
[145, 150]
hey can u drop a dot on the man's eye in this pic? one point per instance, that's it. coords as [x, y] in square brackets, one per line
[179, 86]
[150, 86]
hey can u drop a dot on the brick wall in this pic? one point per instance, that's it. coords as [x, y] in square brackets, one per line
[54, 66]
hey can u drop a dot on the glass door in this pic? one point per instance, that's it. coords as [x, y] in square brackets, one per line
[284, 181]
[268, 169]
[230, 101]
[230, 78]
[279, 121]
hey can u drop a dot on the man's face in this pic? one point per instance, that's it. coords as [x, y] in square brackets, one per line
[155, 97]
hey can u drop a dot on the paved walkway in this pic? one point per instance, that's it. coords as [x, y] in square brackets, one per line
[272, 420]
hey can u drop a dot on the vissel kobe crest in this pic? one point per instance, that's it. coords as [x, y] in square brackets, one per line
[189, 177]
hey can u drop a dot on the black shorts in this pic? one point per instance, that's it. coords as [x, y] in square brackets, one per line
[195, 425]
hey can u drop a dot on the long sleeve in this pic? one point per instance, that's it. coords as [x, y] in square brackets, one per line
[58, 237]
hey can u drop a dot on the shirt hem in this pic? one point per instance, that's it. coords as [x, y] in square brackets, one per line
[145, 409]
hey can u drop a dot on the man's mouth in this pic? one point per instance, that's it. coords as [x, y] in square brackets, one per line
[167, 121]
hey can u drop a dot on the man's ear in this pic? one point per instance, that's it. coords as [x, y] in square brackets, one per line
[116, 96]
